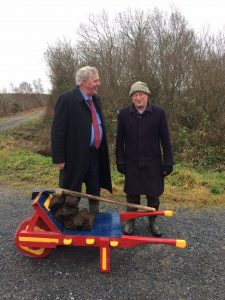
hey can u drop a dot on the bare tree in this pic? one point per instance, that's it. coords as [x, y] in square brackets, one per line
[38, 87]
[24, 88]
[62, 63]
[185, 71]
[5, 106]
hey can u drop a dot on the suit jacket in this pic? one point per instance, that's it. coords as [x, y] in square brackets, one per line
[70, 140]
[143, 146]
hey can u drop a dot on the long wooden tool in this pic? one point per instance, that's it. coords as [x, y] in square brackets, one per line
[59, 192]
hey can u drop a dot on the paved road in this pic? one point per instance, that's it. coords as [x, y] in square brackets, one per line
[14, 121]
[142, 272]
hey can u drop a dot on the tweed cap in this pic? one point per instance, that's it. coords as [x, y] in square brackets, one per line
[139, 86]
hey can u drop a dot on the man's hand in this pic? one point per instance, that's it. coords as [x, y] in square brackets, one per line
[167, 170]
[60, 166]
[121, 168]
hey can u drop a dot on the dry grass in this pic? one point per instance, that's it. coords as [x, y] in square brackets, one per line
[23, 167]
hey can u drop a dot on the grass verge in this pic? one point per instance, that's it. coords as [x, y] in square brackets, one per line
[23, 168]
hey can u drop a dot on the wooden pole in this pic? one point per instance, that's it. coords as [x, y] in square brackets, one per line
[59, 192]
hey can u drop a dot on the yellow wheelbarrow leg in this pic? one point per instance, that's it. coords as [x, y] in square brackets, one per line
[104, 255]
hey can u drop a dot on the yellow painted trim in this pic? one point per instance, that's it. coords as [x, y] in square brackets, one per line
[181, 243]
[114, 243]
[67, 241]
[90, 241]
[39, 251]
[168, 213]
[104, 258]
[36, 239]
[36, 228]
[47, 202]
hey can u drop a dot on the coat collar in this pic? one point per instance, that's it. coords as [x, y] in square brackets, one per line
[132, 109]
[81, 97]
[79, 94]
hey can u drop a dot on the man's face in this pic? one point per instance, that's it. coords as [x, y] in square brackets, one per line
[140, 100]
[90, 86]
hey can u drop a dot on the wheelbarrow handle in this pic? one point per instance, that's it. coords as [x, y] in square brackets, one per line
[59, 192]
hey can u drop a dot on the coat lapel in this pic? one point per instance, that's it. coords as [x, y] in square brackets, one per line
[96, 101]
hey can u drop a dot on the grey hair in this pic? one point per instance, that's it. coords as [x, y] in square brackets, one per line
[85, 73]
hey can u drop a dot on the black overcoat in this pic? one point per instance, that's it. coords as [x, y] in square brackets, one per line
[143, 146]
[70, 140]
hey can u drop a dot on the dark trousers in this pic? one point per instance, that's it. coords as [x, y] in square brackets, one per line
[91, 178]
[135, 199]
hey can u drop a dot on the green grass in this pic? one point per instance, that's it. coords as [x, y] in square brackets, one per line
[22, 167]
[190, 178]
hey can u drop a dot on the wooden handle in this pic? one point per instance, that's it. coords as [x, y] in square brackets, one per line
[59, 192]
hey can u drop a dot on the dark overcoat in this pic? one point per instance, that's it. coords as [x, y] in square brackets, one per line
[70, 140]
[143, 146]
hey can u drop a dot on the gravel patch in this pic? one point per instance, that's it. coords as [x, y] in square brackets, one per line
[141, 272]
[15, 121]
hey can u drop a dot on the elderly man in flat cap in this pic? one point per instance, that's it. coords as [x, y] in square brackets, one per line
[143, 152]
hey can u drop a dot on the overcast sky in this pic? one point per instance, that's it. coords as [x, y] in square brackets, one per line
[28, 26]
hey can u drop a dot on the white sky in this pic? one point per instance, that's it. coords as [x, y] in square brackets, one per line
[28, 26]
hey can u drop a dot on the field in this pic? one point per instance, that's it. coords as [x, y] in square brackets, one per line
[24, 167]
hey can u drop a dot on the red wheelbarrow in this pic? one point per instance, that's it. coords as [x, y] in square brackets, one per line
[38, 235]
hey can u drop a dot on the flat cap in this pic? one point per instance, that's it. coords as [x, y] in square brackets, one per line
[139, 86]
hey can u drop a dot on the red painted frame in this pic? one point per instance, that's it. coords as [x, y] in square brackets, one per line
[41, 234]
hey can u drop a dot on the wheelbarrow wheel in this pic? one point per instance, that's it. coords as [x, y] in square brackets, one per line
[31, 251]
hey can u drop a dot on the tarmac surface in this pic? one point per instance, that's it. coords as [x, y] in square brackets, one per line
[141, 272]
[17, 120]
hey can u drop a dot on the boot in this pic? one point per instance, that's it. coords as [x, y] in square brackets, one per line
[154, 229]
[129, 227]
[94, 208]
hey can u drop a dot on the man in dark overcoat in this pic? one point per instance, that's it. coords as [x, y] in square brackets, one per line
[143, 151]
[78, 138]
